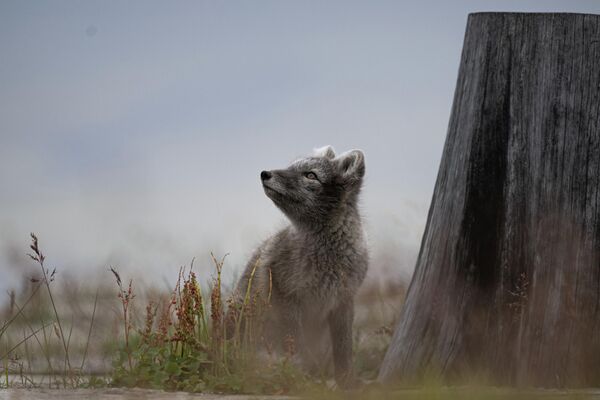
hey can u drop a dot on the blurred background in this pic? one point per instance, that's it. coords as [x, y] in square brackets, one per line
[132, 134]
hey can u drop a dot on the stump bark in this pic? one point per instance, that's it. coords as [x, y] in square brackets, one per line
[507, 283]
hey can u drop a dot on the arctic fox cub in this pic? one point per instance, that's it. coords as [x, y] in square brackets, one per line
[313, 268]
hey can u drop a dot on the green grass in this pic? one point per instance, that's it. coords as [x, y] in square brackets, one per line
[58, 334]
[455, 393]
[183, 344]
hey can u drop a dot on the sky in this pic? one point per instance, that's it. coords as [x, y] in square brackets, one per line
[132, 134]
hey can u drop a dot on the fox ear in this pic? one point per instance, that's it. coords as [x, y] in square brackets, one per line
[326, 151]
[352, 165]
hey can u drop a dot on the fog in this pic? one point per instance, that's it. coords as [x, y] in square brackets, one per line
[133, 134]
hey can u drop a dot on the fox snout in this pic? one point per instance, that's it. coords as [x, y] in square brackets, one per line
[265, 175]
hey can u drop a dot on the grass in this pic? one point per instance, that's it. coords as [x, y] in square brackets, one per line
[59, 335]
[185, 348]
[62, 335]
[37, 335]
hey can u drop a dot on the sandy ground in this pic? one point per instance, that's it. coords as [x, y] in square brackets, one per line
[118, 394]
[404, 394]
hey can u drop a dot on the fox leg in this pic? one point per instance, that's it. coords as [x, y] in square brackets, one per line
[340, 328]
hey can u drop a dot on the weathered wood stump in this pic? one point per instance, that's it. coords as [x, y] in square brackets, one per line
[507, 283]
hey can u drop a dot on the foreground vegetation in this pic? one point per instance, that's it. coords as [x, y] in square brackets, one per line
[188, 348]
[57, 334]
[181, 339]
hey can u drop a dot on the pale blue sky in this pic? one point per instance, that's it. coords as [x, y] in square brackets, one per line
[133, 133]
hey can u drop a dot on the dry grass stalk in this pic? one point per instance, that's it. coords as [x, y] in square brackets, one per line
[48, 277]
[126, 296]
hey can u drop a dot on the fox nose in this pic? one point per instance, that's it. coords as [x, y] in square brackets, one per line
[265, 175]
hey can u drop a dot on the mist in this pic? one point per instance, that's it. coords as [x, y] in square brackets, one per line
[133, 134]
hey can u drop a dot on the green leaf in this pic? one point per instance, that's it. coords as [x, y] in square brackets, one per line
[172, 368]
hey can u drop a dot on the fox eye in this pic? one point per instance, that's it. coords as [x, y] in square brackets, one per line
[311, 175]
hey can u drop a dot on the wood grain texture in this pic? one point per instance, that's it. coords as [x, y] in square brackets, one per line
[507, 282]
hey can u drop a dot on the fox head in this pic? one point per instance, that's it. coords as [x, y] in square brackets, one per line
[315, 189]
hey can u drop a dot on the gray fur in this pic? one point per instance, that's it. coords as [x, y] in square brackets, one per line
[316, 263]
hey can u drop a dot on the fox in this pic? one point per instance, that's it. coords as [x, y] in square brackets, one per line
[314, 266]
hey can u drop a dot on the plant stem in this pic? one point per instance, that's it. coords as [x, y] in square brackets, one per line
[2, 357]
[87, 343]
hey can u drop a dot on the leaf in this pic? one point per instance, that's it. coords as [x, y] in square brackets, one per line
[172, 368]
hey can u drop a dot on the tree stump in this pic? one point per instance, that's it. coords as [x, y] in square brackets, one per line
[507, 283]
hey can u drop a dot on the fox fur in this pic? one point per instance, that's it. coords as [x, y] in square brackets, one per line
[314, 266]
